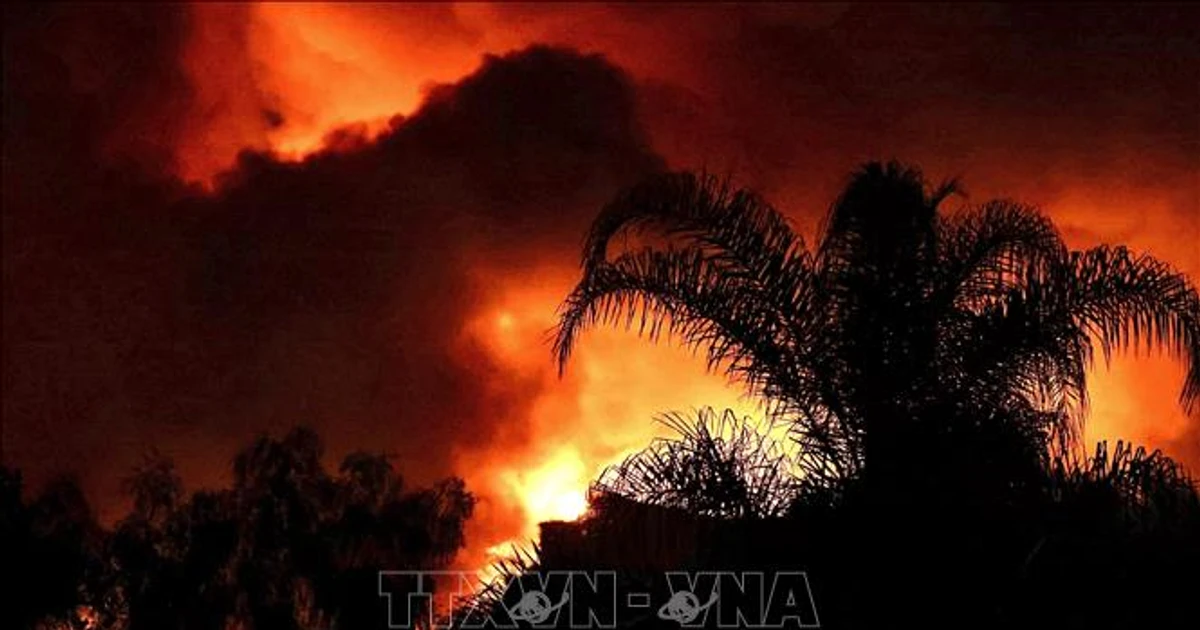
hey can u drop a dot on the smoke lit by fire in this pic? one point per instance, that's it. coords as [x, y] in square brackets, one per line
[305, 81]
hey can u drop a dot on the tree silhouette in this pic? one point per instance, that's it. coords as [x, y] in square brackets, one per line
[931, 367]
[50, 546]
[314, 544]
[288, 545]
[167, 555]
[906, 330]
[1121, 530]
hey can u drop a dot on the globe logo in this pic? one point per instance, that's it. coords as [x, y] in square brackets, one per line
[534, 607]
[683, 607]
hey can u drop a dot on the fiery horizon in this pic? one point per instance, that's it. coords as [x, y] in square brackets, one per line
[414, 106]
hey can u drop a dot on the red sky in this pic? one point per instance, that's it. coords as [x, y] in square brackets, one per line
[392, 283]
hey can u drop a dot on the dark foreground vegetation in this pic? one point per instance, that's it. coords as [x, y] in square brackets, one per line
[1111, 540]
[923, 378]
[928, 368]
[288, 545]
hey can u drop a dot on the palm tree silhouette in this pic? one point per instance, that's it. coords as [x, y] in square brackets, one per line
[905, 331]
[715, 465]
[931, 367]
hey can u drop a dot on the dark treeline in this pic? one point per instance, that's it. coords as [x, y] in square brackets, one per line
[288, 545]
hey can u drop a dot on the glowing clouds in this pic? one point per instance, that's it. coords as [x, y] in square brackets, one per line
[399, 291]
[284, 77]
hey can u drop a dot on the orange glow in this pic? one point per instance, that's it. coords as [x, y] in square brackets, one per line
[336, 65]
[599, 413]
[554, 491]
[1135, 397]
[283, 76]
[306, 70]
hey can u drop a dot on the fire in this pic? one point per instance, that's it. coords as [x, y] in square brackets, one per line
[601, 411]
[310, 69]
[1147, 413]
[554, 491]
[1134, 397]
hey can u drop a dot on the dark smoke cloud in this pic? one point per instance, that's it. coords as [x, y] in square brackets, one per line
[1023, 94]
[1090, 111]
[87, 86]
[139, 312]
[332, 292]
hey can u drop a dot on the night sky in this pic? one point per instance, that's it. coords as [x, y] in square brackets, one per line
[223, 220]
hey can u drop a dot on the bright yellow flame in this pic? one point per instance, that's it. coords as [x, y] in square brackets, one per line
[556, 490]
[601, 411]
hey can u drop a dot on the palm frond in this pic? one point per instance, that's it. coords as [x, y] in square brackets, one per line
[1124, 300]
[1143, 489]
[474, 609]
[685, 294]
[733, 225]
[735, 229]
[903, 318]
[1022, 350]
[986, 250]
[716, 465]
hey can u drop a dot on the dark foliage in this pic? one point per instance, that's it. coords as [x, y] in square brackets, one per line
[931, 369]
[289, 545]
[905, 329]
[50, 546]
[1110, 540]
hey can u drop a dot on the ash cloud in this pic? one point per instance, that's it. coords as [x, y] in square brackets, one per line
[1090, 111]
[332, 292]
[139, 311]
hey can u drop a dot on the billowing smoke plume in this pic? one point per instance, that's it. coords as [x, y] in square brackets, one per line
[333, 292]
[393, 289]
